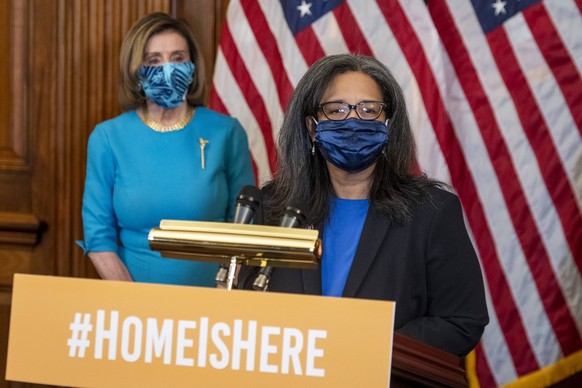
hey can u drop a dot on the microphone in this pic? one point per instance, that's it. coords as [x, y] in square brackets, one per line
[248, 201]
[293, 217]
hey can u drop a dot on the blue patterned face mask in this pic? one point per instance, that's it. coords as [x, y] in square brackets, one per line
[351, 144]
[167, 85]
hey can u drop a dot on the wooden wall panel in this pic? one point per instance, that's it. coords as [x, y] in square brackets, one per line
[57, 83]
[64, 65]
[205, 18]
[14, 131]
[4, 81]
[91, 35]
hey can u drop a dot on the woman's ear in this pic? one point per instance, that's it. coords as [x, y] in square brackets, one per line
[310, 124]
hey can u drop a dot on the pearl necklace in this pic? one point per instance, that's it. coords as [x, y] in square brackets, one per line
[167, 128]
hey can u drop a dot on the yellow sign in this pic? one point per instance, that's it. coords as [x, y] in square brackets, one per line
[81, 332]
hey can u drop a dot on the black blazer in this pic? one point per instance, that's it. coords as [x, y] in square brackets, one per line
[428, 267]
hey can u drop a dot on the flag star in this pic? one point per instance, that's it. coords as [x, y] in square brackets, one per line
[499, 7]
[304, 8]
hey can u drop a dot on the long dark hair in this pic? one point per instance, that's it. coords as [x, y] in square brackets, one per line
[300, 175]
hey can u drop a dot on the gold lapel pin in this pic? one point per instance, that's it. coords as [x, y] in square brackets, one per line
[202, 146]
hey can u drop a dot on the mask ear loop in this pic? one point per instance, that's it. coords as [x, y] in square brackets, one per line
[385, 145]
[313, 141]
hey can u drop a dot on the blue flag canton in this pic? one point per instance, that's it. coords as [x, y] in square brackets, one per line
[300, 14]
[493, 13]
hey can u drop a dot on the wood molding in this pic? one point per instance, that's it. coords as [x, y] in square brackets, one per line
[413, 361]
[20, 228]
[14, 132]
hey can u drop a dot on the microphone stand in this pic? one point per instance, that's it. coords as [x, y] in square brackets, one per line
[293, 217]
[231, 272]
[248, 201]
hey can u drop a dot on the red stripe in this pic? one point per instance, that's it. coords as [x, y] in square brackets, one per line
[483, 370]
[217, 105]
[309, 46]
[357, 43]
[353, 36]
[558, 59]
[506, 310]
[268, 44]
[249, 91]
[553, 173]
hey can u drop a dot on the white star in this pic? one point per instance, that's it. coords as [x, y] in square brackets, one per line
[304, 8]
[499, 6]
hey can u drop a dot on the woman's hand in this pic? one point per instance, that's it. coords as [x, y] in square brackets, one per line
[109, 266]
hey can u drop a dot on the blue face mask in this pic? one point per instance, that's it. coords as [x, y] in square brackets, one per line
[351, 144]
[167, 85]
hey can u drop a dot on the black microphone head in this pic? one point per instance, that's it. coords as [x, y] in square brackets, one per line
[247, 202]
[294, 215]
[250, 196]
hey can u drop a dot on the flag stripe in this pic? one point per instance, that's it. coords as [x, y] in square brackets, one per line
[457, 44]
[243, 78]
[560, 122]
[268, 46]
[257, 68]
[493, 345]
[219, 106]
[557, 58]
[553, 173]
[542, 209]
[528, 235]
[484, 374]
[520, 215]
[568, 27]
[232, 97]
[352, 33]
[459, 174]
[293, 60]
[309, 46]
[549, 161]
[329, 35]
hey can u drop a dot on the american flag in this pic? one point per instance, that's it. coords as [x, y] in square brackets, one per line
[494, 92]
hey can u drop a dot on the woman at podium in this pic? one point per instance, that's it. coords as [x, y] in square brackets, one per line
[346, 148]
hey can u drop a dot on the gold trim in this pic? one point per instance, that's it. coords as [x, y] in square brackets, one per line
[255, 245]
[167, 128]
[551, 374]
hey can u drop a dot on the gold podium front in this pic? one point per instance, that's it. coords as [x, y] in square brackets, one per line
[255, 245]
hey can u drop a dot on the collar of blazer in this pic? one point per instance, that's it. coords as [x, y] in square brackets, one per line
[375, 228]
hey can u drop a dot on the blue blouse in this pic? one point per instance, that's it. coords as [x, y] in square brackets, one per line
[340, 241]
[137, 177]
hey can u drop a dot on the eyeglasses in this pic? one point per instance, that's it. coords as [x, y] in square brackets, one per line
[366, 110]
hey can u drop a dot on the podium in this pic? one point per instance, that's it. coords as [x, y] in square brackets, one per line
[85, 332]
[415, 363]
[81, 332]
